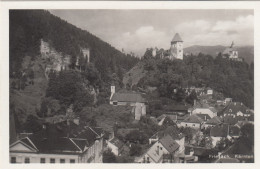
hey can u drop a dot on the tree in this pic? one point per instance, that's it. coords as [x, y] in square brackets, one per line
[109, 157]
[135, 150]
[223, 144]
[188, 134]
[247, 133]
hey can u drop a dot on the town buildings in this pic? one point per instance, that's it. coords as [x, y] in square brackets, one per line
[62, 142]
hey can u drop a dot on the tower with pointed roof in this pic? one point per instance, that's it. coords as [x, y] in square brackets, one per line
[176, 50]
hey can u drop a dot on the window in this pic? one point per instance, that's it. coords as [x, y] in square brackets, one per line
[193, 125]
[27, 160]
[72, 161]
[114, 103]
[179, 50]
[161, 148]
[62, 160]
[42, 160]
[52, 160]
[186, 125]
[13, 159]
[230, 110]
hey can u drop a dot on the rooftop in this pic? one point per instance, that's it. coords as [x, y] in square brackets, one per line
[128, 97]
[177, 38]
[193, 119]
[169, 144]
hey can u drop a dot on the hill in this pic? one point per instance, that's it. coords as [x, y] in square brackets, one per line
[27, 27]
[28, 82]
[246, 52]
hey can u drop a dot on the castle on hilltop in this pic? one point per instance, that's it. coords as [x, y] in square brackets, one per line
[175, 51]
[231, 53]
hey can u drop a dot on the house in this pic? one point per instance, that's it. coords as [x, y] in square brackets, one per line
[131, 99]
[115, 145]
[126, 98]
[234, 112]
[227, 101]
[193, 121]
[156, 153]
[223, 130]
[165, 117]
[209, 91]
[57, 143]
[211, 111]
[174, 133]
[212, 122]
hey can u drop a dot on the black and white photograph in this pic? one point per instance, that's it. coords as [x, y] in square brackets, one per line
[131, 86]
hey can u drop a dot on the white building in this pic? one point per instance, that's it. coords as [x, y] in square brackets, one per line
[176, 49]
[212, 112]
[192, 121]
[50, 145]
[156, 153]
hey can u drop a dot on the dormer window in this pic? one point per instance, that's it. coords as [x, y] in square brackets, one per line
[230, 110]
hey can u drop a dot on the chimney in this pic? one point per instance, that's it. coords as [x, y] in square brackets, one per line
[194, 102]
[205, 118]
[76, 120]
[44, 126]
[113, 90]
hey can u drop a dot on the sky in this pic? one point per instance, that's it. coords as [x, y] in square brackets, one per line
[136, 30]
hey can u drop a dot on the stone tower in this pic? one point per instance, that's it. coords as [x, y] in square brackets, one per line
[176, 47]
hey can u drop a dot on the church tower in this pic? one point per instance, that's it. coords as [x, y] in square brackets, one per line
[176, 47]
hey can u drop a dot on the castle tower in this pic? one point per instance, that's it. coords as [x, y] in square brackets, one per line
[176, 47]
[86, 54]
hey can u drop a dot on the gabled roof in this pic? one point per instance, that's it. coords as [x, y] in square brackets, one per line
[169, 144]
[177, 38]
[193, 119]
[215, 120]
[128, 97]
[204, 117]
[235, 107]
[117, 142]
[171, 131]
[57, 138]
[220, 130]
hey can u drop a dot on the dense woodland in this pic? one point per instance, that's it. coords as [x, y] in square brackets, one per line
[27, 27]
[232, 78]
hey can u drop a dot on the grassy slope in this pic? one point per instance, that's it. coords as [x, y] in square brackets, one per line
[134, 75]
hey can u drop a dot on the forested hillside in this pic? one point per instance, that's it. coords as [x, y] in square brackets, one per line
[27, 27]
[245, 52]
[232, 78]
[31, 93]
